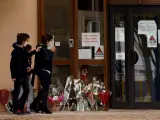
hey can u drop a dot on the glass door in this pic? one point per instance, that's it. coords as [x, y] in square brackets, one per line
[118, 40]
[146, 68]
[134, 56]
[53, 14]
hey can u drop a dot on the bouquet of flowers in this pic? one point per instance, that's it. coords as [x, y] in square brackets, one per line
[4, 96]
[104, 96]
[80, 91]
[93, 92]
[84, 96]
[56, 96]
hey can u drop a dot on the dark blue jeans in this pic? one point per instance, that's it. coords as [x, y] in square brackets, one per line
[18, 104]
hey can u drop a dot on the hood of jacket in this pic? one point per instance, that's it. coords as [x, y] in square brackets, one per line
[15, 45]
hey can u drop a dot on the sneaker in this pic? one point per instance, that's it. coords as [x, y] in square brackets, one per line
[18, 112]
[9, 107]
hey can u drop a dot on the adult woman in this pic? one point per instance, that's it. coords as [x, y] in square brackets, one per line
[43, 69]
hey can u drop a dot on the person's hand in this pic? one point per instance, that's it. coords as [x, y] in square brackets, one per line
[13, 79]
[53, 49]
[38, 49]
[29, 70]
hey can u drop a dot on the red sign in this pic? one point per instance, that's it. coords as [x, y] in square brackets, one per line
[152, 39]
[99, 51]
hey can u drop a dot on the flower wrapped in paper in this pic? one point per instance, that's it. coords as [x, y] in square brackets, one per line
[4, 96]
[54, 101]
[93, 93]
[81, 96]
[104, 96]
[56, 95]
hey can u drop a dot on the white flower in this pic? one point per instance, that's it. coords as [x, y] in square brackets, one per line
[55, 98]
[95, 93]
[103, 91]
[54, 90]
[98, 85]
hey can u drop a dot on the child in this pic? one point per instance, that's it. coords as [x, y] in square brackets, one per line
[30, 96]
[9, 106]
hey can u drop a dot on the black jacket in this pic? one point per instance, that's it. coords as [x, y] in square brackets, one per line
[19, 63]
[43, 59]
[29, 55]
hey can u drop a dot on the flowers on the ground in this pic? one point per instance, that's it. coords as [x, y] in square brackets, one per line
[94, 93]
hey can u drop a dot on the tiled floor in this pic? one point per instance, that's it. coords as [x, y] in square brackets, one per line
[109, 115]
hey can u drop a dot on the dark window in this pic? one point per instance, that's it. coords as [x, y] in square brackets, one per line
[84, 4]
[98, 5]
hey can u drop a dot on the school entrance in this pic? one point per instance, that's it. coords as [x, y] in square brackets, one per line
[134, 56]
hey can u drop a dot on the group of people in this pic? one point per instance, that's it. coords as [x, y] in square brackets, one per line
[20, 66]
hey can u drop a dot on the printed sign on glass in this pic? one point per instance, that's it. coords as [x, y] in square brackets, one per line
[99, 52]
[84, 54]
[148, 28]
[119, 34]
[90, 39]
[120, 56]
[151, 41]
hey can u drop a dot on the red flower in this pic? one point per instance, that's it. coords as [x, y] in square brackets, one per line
[87, 93]
[104, 97]
[4, 95]
[50, 100]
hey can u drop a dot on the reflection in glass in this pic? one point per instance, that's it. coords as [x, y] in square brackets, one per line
[55, 12]
[60, 74]
[92, 25]
[120, 58]
[90, 21]
[145, 70]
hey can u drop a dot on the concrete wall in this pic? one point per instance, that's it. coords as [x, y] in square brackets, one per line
[15, 16]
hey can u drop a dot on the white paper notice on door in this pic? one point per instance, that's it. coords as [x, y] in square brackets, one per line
[84, 54]
[146, 27]
[120, 56]
[119, 34]
[90, 39]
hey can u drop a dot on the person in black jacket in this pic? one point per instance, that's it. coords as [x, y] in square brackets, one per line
[20, 68]
[29, 53]
[28, 48]
[43, 69]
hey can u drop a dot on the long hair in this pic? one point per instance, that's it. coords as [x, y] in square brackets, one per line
[46, 38]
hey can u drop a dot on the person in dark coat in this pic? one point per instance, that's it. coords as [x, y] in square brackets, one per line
[43, 69]
[29, 53]
[28, 49]
[20, 68]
